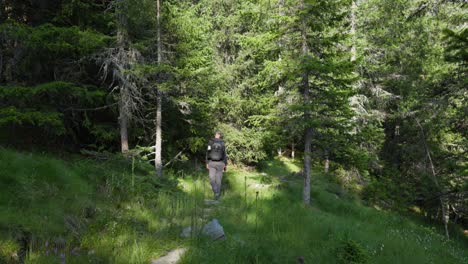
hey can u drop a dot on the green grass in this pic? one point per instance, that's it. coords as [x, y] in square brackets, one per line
[97, 209]
[277, 228]
[108, 214]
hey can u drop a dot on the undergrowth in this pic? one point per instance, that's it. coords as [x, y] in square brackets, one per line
[117, 211]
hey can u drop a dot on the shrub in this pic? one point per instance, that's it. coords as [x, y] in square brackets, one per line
[351, 251]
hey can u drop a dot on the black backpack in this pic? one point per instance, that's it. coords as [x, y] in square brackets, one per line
[217, 150]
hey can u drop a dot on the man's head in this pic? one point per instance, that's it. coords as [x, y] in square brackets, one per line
[218, 134]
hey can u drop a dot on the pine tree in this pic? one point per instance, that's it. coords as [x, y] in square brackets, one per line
[322, 66]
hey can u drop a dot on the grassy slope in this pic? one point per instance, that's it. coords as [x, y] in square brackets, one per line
[88, 206]
[278, 229]
[111, 215]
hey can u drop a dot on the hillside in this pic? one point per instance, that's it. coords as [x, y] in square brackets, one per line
[367, 97]
[102, 211]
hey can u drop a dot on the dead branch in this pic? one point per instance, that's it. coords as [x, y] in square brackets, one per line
[89, 109]
[175, 157]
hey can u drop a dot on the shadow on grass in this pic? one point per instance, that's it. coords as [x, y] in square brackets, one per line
[139, 218]
[267, 223]
[133, 214]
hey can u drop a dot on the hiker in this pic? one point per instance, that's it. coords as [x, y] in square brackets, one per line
[216, 162]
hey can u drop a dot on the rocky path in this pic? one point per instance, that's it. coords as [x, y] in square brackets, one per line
[171, 258]
[212, 229]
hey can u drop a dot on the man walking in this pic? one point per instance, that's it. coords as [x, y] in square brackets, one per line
[216, 162]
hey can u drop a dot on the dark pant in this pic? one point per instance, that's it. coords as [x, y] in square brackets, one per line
[216, 169]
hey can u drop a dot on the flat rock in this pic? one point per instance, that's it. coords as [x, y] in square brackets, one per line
[211, 202]
[260, 186]
[186, 232]
[171, 258]
[214, 230]
[207, 212]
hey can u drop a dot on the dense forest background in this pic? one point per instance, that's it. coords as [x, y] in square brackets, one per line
[372, 91]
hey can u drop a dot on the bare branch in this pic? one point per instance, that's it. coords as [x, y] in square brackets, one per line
[89, 109]
[175, 157]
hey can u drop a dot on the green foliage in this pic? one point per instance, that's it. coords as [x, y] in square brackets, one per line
[139, 17]
[52, 122]
[350, 180]
[52, 109]
[39, 193]
[48, 41]
[6, 247]
[55, 93]
[277, 228]
[238, 66]
[110, 213]
[245, 145]
[352, 252]
[97, 207]
[25, 46]
[379, 192]
[413, 64]
[85, 14]
[457, 45]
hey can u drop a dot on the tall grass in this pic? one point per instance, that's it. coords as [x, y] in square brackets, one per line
[91, 212]
[116, 211]
[335, 229]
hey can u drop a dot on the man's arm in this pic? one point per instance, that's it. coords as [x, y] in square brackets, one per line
[225, 158]
[207, 155]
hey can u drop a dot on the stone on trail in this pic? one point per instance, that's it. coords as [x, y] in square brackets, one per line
[260, 186]
[186, 232]
[171, 258]
[211, 202]
[214, 230]
[207, 212]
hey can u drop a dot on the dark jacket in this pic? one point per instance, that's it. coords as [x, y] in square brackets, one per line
[210, 143]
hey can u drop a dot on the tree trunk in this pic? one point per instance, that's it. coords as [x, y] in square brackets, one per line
[24, 242]
[444, 203]
[122, 38]
[353, 30]
[307, 169]
[158, 145]
[3, 15]
[293, 150]
[280, 90]
[308, 130]
[327, 162]
[123, 121]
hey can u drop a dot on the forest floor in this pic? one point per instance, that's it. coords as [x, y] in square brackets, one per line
[80, 210]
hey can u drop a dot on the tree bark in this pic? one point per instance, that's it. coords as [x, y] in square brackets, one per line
[123, 121]
[353, 30]
[280, 42]
[444, 203]
[158, 145]
[24, 242]
[308, 130]
[327, 162]
[307, 169]
[122, 38]
[293, 150]
[3, 15]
